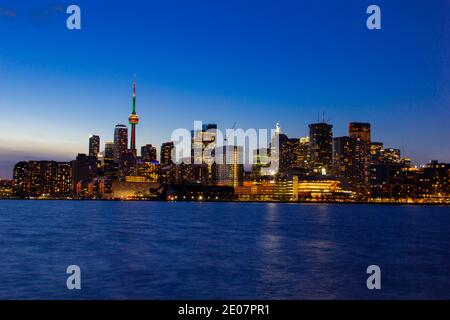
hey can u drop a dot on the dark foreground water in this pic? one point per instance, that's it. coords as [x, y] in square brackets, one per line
[159, 250]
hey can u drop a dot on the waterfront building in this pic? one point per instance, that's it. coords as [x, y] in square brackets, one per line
[376, 152]
[230, 172]
[127, 165]
[42, 179]
[321, 147]
[84, 168]
[149, 170]
[20, 179]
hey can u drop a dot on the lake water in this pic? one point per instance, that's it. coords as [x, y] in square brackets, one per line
[162, 250]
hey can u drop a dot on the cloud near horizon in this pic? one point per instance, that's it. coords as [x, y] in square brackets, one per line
[30, 150]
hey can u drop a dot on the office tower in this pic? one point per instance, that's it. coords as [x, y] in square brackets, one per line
[360, 130]
[303, 156]
[351, 165]
[230, 170]
[94, 146]
[344, 161]
[376, 152]
[133, 120]
[261, 159]
[391, 155]
[321, 147]
[294, 154]
[120, 141]
[284, 151]
[148, 153]
[166, 153]
[109, 152]
[203, 144]
[361, 133]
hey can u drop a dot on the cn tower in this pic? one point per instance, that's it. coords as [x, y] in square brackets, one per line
[133, 119]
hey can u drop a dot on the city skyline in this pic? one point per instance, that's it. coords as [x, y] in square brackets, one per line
[312, 60]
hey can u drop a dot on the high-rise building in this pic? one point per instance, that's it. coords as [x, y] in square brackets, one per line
[109, 152]
[120, 141]
[133, 120]
[303, 156]
[321, 147]
[42, 178]
[166, 153]
[94, 146]
[376, 152]
[35, 182]
[230, 170]
[391, 155]
[203, 144]
[344, 161]
[294, 154]
[148, 153]
[20, 179]
[360, 130]
[84, 168]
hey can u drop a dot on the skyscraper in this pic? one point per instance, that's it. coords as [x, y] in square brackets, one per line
[230, 170]
[203, 144]
[20, 179]
[109, 152]
[321, 147]
[360, 131]
[120, 141]
[133, 120]
[94, 146]
[344, 160]
[166, 153]
[148, 153]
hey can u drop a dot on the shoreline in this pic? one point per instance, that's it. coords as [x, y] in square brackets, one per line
[247, 201]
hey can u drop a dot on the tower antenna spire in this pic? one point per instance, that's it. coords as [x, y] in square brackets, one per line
[133, 119]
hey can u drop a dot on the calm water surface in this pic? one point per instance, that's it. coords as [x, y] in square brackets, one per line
[160, 250]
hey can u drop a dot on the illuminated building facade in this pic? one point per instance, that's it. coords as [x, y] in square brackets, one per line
[120, 141]
[203, 143]
[148, 153]
[42, 179]
[230, 172]
[321, 147]
[94, 146]
[166, 153]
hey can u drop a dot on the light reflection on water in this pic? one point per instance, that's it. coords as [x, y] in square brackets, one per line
[165, 250]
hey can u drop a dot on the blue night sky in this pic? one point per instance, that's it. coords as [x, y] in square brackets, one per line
[253, 62]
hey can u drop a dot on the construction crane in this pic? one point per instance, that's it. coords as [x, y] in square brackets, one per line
[226, 138]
